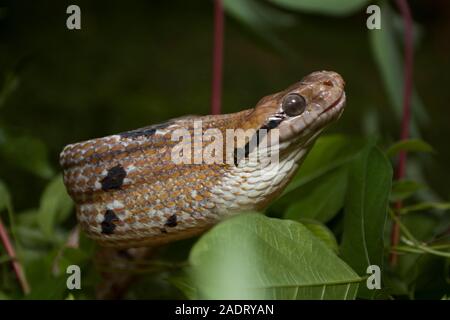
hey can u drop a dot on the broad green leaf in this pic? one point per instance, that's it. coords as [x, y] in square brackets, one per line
[257, 14]
[409, 145]
[55, 206]
[330, 7]
[31, 237]
[28, 218]
[27, 152]
[49, 288]
[252, 256]
[262, 18]
[366, 208]
[403, 189]
[319, 199]
[328, 153]
[425, 206]
[321, 232]
[388, 55]
[72, 256]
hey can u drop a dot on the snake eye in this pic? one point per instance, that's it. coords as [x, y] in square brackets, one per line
[293, 104]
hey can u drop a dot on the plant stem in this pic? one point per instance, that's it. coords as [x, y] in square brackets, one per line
[216, 94]
[407, 93]
[412, 242]
[17, 267]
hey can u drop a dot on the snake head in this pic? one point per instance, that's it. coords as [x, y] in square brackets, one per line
[304, 108]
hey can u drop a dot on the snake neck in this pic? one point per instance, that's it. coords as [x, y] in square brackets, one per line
[253, 185]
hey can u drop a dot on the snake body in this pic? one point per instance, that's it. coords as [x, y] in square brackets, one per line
[129, 192]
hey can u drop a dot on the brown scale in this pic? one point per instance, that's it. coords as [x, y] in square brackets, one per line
[114, 202]
[155, 183]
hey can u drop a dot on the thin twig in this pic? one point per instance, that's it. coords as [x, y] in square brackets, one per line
[407, 93]
[17, 267]
[216, 90]
[411, 241]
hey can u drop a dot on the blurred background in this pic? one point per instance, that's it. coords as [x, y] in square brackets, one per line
[136, 63]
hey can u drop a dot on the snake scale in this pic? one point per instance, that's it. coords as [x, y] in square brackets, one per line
[129, 191]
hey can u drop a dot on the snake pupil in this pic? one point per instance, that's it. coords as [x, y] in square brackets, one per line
[293, 104]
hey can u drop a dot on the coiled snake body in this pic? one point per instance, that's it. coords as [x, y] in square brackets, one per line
[129, 192]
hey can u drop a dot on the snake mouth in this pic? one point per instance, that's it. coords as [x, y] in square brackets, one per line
[338, 104]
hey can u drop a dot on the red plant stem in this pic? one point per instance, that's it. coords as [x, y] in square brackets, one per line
[17, 267]
[407, 94]
[216, 93]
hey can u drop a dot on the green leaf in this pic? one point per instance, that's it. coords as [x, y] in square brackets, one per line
[365, 212]
[410, 266]
[386, 50]
[403, 189]
[31, 237]
[39, 270]
[49, 288]
[321, 232]
[262, 18]
[28, 218]
[5, 198]
[257, 14]
[55, 206]
[72, 256]
[321, 198]
[330, 7]
[409, 145]
[316, 177]
[184, 283]
[423, 227]
[328, 153]
[27, 152]
[425, 206]
[252, 256]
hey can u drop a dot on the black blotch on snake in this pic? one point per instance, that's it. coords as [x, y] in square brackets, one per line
[114, 178]
[108, 223]
[259, 135]
[172, 221]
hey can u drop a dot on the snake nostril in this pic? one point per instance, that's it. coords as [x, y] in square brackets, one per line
[328, 83]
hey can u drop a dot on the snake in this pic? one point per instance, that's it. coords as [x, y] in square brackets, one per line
[129, 192]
